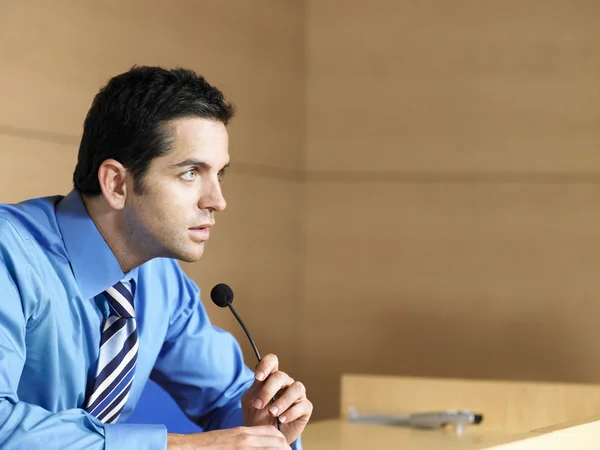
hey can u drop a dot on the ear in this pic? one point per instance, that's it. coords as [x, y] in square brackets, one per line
[112, 176]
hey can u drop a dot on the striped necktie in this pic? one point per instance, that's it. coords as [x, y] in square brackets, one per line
[118, 355]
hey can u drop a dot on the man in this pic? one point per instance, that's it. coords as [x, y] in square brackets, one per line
[93, 302]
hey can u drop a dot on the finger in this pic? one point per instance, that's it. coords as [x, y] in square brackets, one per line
[267, 365]
[301, 410]
[274, 383]
[293, 394]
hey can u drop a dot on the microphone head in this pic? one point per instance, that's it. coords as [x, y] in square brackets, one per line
[221, 295]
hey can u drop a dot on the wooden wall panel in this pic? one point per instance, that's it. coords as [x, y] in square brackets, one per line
[460, 86]
[30, 168]
[56, 57]
[451, 280]
[452, 191]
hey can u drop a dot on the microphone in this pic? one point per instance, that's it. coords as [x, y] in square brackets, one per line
[222, 296]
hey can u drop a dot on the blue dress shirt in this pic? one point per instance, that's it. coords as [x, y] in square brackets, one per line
[53, 265]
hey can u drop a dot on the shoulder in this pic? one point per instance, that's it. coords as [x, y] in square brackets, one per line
[10, 230]
[29, 237]
[25, 230]
[29, 222]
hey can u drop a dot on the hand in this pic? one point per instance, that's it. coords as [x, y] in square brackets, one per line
[265, 437]
[291, 404]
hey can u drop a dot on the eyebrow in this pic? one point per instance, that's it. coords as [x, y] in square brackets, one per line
[196, 162]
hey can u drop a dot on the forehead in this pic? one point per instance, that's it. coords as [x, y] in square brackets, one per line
[196, 138]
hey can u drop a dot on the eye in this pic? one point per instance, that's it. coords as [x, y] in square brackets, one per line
[222, 173]
[190, 175]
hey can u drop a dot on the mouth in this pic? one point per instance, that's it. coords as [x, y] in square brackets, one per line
[201, 232]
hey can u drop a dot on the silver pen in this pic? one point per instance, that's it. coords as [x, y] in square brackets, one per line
[428, 420]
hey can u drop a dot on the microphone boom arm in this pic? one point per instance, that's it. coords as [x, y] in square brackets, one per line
[245, 331]
[222, 296]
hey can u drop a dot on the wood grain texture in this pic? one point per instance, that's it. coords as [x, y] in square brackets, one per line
[517, 415]
[336, 434]
[457, 280]
[439, 87]
[583, 437]
[452, 191]
[32, 169]
[512, 406]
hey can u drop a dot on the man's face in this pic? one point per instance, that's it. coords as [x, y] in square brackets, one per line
[182, 190]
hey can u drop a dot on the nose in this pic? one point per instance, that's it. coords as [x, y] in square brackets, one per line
[212, 197]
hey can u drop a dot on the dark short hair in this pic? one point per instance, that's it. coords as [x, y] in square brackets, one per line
[129, 117]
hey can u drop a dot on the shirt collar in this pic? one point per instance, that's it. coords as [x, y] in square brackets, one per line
[94, 265]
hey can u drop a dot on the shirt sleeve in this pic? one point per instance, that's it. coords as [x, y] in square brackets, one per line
[26, 426]
[200, 365]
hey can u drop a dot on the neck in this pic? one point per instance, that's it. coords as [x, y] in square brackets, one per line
[114, 232]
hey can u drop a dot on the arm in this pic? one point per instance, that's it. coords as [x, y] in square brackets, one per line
[200, 365]
[27, 426]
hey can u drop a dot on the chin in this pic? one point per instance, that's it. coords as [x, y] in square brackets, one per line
[191, 256]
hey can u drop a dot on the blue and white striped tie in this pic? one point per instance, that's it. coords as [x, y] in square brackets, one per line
[118, 355]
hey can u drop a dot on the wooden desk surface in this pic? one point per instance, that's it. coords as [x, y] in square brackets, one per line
[341, 435]
[517, 415]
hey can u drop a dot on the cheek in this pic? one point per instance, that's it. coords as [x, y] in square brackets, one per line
[153, 217]
[169, 215]
[167, 210]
